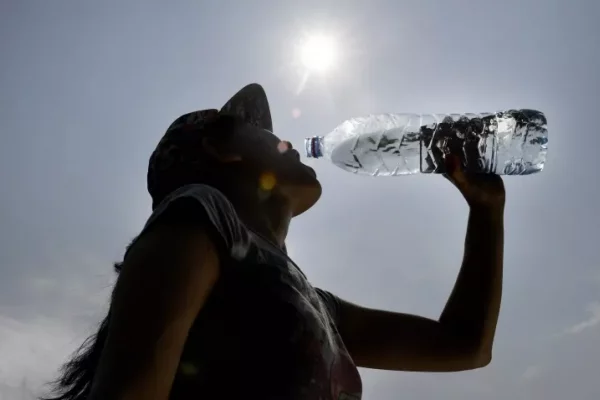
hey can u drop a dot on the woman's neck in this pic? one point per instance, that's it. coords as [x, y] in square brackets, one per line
[263, 212]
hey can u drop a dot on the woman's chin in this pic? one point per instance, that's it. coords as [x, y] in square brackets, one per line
[305, 196]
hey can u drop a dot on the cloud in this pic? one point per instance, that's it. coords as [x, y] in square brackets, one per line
[593, 320]
[47, 322]
[21, 392]
[33, 349]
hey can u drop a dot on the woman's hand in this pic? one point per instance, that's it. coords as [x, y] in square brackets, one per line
[481, 191]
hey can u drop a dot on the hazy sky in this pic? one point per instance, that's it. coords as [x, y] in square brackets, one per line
[86, 91]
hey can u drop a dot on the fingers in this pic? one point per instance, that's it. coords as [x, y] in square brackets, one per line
[455, 171]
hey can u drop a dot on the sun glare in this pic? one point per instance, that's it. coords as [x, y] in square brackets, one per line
[318, 53]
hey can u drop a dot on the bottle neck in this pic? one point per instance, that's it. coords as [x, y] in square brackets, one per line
[314, 147]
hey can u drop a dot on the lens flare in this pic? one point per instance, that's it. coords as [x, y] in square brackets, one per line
[267, 181]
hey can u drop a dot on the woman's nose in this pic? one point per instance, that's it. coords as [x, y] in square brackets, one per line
[284, 146]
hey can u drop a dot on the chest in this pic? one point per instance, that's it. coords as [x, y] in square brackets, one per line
[266, 326]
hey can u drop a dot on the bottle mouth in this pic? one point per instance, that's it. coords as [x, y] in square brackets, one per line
[312, 146]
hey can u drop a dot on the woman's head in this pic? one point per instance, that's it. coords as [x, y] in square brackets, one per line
[234, 147]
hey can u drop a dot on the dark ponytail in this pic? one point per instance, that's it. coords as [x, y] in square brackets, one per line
[77, 374]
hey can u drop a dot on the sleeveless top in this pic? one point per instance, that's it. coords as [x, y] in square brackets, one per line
[265, 332]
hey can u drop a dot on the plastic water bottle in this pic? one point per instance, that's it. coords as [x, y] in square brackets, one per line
[512, 142]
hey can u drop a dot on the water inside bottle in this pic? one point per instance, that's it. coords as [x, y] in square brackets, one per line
[508, 143]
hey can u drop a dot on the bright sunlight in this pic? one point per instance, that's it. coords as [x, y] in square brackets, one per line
[318, 53]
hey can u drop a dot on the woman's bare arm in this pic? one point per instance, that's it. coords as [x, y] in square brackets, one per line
[166, 278]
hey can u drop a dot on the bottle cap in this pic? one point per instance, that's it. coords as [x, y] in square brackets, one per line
[312, 146]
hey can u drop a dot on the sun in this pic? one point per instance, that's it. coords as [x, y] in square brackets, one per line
[318, 53]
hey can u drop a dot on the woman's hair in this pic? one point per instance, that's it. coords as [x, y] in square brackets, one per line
[77, 374]
[203, 168]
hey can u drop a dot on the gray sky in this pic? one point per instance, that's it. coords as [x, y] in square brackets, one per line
[86, 91]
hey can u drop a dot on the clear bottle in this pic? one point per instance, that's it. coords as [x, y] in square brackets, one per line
[512, 142]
